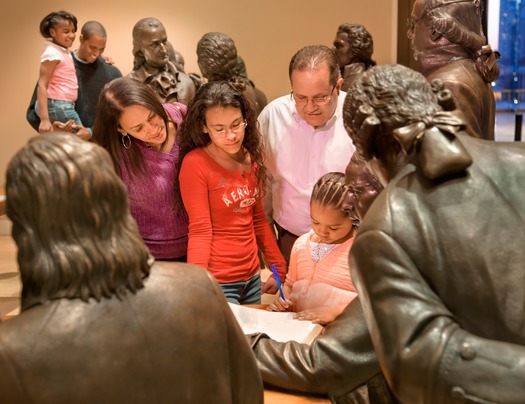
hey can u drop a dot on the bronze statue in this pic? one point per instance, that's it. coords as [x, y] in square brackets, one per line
[449, 44]
[260, 96]
[438, 259]
[152, 65]
[176, 57]
[353, 46]
[341, 361]
[101, 322]
[218, 60]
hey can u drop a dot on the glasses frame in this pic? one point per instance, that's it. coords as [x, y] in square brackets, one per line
[319, 101]
[223, 132]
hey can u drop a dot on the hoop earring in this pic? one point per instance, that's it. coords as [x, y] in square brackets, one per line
[126, 144]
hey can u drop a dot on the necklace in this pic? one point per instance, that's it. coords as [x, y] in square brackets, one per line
[320, 250]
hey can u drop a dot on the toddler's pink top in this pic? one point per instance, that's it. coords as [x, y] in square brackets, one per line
[63, 85]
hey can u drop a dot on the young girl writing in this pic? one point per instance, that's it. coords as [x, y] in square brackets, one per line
[318, 285]
[221, 181]
[57, 81]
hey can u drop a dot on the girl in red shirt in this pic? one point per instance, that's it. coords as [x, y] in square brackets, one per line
[221, 183]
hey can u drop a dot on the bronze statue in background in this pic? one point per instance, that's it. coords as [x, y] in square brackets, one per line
[101, 322]
[176, 57]
[353, 46]
[438, 259]
[218, 60]
[260, 96]
[152, 65]
[449, 44]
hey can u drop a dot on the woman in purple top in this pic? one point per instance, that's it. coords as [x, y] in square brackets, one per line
[139, 133]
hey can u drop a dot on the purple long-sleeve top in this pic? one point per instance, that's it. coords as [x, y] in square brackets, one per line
[162, 225]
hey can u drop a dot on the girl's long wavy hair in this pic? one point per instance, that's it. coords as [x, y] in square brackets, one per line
[71, 223]
[220, 94]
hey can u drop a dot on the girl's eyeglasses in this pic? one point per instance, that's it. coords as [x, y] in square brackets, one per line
[235, 129]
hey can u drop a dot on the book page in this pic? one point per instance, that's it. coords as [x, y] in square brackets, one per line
[280, 326]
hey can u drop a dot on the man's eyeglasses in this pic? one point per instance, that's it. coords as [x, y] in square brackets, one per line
[301, 100]
[235, 129]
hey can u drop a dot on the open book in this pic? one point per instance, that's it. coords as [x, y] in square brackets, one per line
[280, 326]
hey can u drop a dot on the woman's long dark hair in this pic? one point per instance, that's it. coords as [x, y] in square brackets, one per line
[115, 97]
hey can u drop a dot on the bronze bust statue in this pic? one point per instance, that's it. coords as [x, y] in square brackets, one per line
[449, 44]
[101, 322]
[353, 46]
[260, 97]
[218, 60]
[152, 65]
[438, 259]
[176, 58]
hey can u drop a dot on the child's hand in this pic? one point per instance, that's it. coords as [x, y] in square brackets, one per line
[45, 126]
[279, 305]
[320, 315]
[108, 59]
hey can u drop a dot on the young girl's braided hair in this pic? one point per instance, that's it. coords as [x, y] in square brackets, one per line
[330, 190]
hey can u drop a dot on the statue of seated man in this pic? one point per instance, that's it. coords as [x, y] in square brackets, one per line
[101, 321]
[152, 65]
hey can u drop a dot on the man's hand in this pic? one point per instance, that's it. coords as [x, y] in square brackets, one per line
[64, 126]
[270, 286]
[82, 132]
[108, 59]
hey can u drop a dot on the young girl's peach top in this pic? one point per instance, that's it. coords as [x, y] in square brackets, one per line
[323, 283]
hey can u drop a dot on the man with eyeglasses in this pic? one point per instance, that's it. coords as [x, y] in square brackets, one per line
[304, 138]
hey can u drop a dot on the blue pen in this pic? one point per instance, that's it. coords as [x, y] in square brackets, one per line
[276, 275]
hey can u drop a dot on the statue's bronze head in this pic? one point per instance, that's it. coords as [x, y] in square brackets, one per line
[71, 222]
[354, 44]
[458, 21]
[150, 44]
[217, 56]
